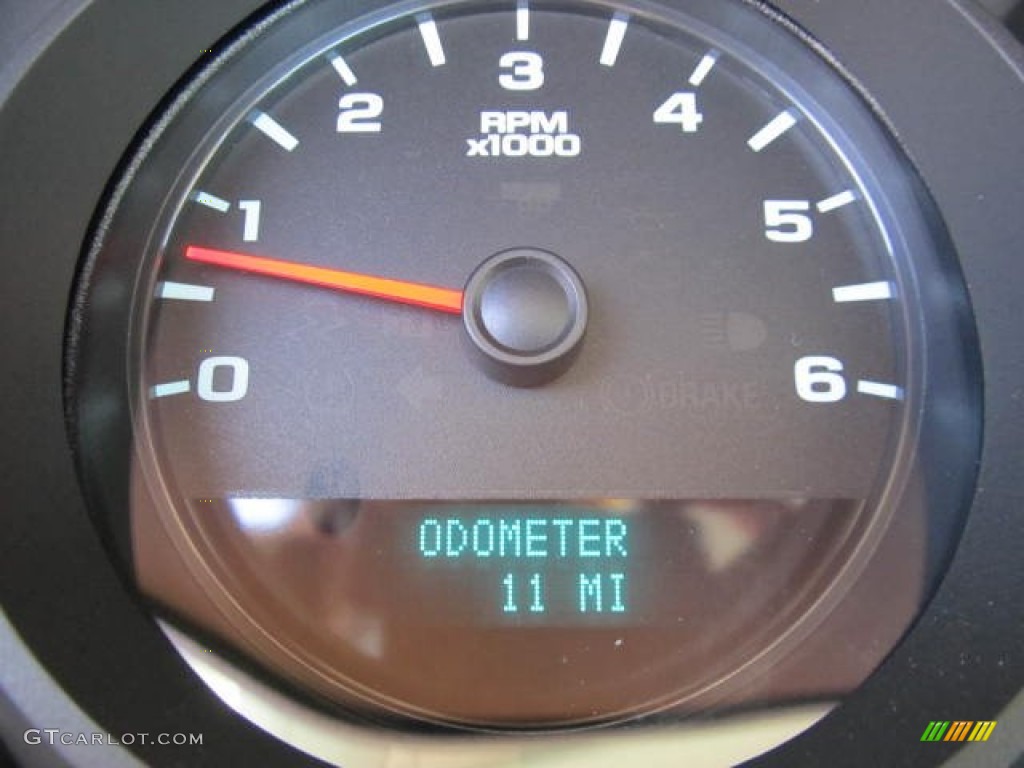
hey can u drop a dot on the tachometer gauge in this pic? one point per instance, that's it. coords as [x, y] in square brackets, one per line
[526, 364]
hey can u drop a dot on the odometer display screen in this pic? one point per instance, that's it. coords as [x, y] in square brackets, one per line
[618, 565]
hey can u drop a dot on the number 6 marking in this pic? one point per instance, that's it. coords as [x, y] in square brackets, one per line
[818, 379]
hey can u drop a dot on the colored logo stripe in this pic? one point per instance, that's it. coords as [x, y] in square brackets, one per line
[958, 730]
[935, 730]
[982, 730]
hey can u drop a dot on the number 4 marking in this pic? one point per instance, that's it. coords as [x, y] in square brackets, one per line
[680, 109]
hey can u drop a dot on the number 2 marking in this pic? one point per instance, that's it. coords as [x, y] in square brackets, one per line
[359, 113]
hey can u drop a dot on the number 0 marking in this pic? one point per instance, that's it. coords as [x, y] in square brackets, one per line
[239, 381]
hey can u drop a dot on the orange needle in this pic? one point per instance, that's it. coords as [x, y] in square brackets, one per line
[429, 296]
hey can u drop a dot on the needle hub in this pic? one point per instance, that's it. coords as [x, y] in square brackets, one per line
[525, 311]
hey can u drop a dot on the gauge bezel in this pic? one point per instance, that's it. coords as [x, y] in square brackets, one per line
[989, 547]
[202, 118]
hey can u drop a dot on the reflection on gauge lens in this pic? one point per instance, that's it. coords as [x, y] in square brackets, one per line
[530, 365]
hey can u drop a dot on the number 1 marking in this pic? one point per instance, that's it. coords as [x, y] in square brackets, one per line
[251, 227]
[207, 388]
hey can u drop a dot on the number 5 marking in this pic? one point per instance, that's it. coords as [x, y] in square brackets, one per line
[786, 222]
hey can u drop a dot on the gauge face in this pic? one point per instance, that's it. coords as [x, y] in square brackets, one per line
[524, 364]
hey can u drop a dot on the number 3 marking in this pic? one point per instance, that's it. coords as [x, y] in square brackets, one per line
[524, 71]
